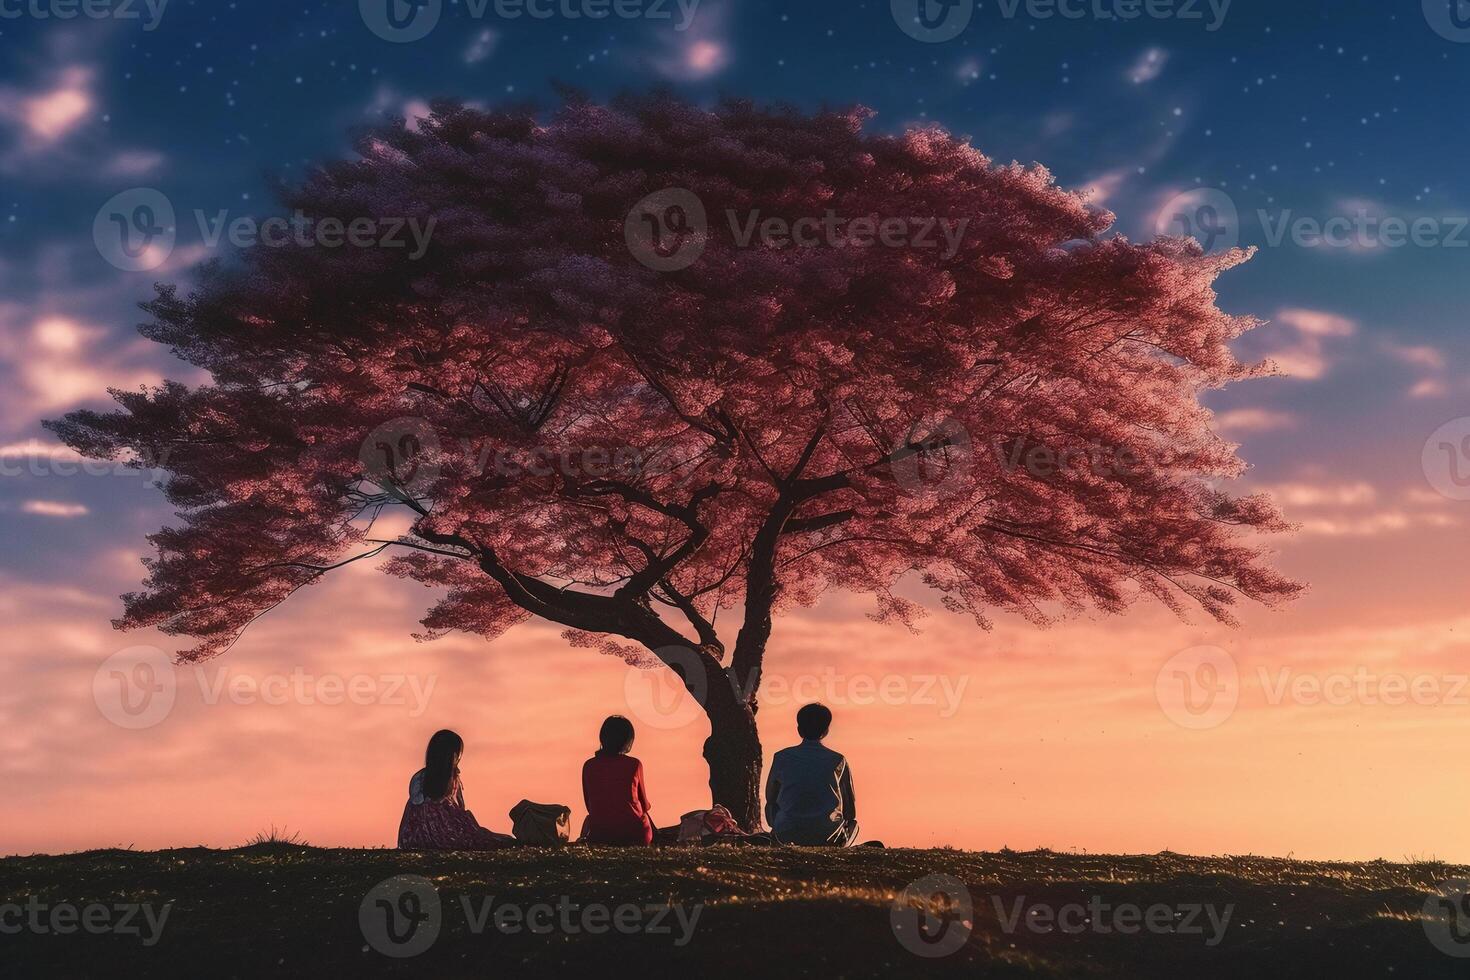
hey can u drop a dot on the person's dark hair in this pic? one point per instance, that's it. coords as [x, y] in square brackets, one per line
[616, 736]
[813, 720]
[440, 760]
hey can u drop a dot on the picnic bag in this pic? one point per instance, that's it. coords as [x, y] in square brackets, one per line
[697, 824]
[541, 823]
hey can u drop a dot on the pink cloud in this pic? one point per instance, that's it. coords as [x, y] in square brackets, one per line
[1316, 322]
[35, 449]
[53, 508]
[48, 114]
[1430, 362]
[1305, 355]
[1253, 420]
[1303, 494]
[698, 51]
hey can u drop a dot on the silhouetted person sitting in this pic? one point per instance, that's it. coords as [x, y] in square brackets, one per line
[435, 817]
[809, 791]
[612, 788]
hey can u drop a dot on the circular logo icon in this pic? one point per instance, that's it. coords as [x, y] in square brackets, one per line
[1446, 918]
[933, 916]
[135, 230]
[1198, 688]
[933, 21]
[660, 697]
[401, 21]
[1446, 459]
[936, 459]
[1206, 214]
[667, 230]
[402, 456]
[1449, 18]
[135, 688]
[401, 916]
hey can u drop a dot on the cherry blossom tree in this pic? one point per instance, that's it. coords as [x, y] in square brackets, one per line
[659, 368]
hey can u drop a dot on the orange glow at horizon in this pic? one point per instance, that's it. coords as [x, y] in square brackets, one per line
[1016, 737]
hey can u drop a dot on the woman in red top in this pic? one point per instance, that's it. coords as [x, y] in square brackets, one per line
[612, 788]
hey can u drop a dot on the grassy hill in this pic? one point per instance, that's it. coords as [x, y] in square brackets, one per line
[721, 912]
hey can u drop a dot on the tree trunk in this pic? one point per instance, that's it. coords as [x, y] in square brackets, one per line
[733, 751]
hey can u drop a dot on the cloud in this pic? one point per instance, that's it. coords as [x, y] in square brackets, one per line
[54, 363]
[968, 71]
[482, 47]
[1253, 420]
[135, 163]
[1429, 362]
[1149, 66]
[1303, 494]
[1305, 355]
[51, 115]
[1353, 509]
[1316, 322]
[1372, 525]
[700, 51]
[35, 449]
[53, 508]
[1102, 187]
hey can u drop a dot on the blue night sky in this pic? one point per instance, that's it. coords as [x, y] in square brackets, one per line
[1308, 110]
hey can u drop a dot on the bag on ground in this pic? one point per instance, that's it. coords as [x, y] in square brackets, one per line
[541, 823]
[697, 824]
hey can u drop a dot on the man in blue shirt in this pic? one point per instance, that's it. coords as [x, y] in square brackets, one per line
[809, 790]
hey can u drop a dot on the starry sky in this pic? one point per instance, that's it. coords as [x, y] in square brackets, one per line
[1253, 122]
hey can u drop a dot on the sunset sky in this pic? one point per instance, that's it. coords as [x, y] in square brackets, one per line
[1288, 114]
